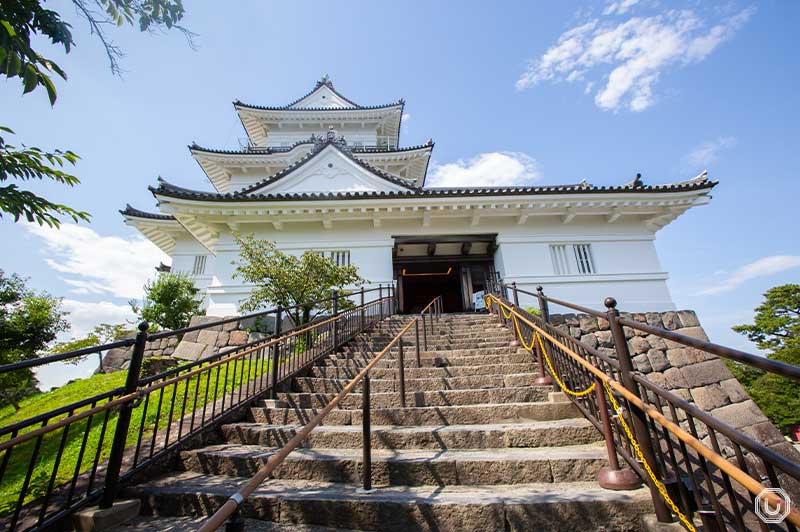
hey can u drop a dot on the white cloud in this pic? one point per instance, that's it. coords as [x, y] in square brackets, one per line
[619, 7]
[761, 268]
[100, 265]
[708, 152]
[628, 57]
[486, 170]
[86, 316]
[406, 117]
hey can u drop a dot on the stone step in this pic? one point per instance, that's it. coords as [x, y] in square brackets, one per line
[146, 523]
[452, 343]
[411, 351]
[543, 507]
[391, 384]
[521, 394]
[553, 433]
[348, 372]
[512, 358]
[407, 467]
[429, 415]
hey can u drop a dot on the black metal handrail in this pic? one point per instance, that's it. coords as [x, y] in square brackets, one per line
[230, 510]
[704, 465]
[120, 433]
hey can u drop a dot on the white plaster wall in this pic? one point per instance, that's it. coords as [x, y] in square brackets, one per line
[624, 254]
[288, 134]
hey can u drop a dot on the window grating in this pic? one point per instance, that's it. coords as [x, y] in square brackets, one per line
[199, 267]
[577, 262]
[340, 257]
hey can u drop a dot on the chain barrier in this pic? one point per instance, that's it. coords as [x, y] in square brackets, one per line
[615, 405]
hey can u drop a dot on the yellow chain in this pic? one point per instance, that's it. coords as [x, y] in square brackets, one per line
[561, 385]
[661, 489]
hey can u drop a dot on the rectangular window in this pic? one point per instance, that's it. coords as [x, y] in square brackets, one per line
[340, 257]
[199, 267]
[575, 261]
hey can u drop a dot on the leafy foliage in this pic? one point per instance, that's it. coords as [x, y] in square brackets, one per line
[27, 164]
[290, 280]
[776, 327]
[170, 301]
[21, 22]
[28, 322]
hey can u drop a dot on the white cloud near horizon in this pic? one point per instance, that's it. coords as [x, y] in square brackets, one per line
[85, 316]
[486, 170]
[625, 59]
[708, 152]
[762, 267]
[92, 264]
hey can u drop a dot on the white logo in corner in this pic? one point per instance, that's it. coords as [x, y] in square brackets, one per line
[773, 514]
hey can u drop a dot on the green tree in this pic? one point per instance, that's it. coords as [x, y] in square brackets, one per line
[29, 321]
[290, 280]
[22, 25]
[775, 328]
[170, 301]
[102, 334]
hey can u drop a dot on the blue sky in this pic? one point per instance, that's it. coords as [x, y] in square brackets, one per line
[523, 91]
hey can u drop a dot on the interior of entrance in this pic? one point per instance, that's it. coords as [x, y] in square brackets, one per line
[452, 266]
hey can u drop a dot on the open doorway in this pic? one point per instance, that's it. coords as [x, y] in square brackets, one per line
[452, 266]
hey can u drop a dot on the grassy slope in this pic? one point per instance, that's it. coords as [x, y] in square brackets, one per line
[12, 481]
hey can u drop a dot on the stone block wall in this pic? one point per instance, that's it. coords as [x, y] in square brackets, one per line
[693, 375]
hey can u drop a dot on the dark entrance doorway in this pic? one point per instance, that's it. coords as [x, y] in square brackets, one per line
[452, 266]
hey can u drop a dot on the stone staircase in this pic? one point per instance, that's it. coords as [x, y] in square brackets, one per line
[476, 448]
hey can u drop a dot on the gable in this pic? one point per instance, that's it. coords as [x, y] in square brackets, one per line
[328, 171]
[325, 97]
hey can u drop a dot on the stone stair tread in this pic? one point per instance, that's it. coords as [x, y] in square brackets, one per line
[198, 483]
[570, 452]
[143, 523]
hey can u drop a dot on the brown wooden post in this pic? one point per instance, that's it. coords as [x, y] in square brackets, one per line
[638, 418]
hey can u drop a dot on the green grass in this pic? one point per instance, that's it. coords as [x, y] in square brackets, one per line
[18, 464]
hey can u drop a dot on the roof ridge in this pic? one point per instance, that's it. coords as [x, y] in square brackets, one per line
[138, 213]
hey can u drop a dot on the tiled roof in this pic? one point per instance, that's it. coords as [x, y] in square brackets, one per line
[318, 149]
[239, 103]
[136, 213]
[699, 183]
[283, 149]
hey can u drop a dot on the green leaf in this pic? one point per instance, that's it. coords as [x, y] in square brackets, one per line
[7, 25]
[30, 80]
[51, 89]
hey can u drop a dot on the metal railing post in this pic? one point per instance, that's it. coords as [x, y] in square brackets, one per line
[612, 477]
[273, 391]
[638, 417]
[516, 294]
[124, 420]
[366, 432]
[424, 332]
[402, 375]
[335, 297]
[416, 331]
[543, 306]
[380, 299]
[515, 342]
[363, 324]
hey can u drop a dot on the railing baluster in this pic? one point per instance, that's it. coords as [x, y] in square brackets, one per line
[366, 434]
[402, 373]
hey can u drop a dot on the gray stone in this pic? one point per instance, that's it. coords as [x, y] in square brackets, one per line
[231, 326]
[629, 333]
[189, 350]
[740, 415]
[656, 342]
[694, 332]
[670, 321]
[96, 518]
[654, 319]
[640, 363]
[572, 320]
[688, 318]
[657, 359]
[588, 323]
[237, 338]
[675, 378]
[734, 389]
[575, 332]
[604, 338]
[602, 324]
[207, 337]
[765, 432]
[684, 356]
[710, 397]
[590, 340]
[222, 339]
[639, 345]
[708, 372]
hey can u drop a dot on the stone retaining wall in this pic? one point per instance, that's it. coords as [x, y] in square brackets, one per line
[694, 375]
